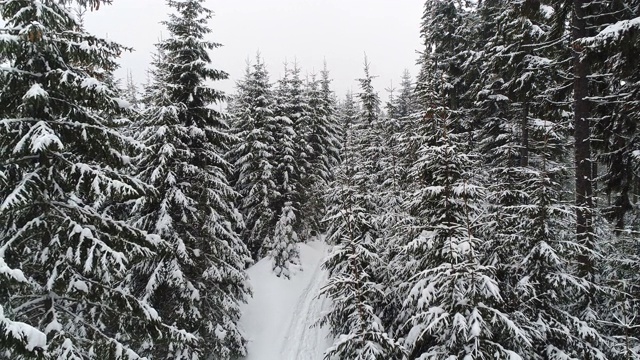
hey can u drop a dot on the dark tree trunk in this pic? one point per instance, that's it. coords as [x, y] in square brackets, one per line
[582, 134]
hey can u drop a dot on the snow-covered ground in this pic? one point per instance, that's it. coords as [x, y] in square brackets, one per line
[277, 320]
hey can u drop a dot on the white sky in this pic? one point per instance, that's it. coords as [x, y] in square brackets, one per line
[340, 31]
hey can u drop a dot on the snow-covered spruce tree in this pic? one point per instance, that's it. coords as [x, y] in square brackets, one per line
[509, 107]
[198, 283]
[292, 150]
[289, 159]
[394, 219]
[377, 176]
[575, 21]
[407, 112]
[254, 156]
[348, 110]
[269, 222]
[61, 162]
[453, 306]
[453, 301]
[130, 91]
[283, 247]
[596, 107]
[392, 132]
[332, 121]
[524, 142]
[612, 53]
[370, 131]
[323, 145]
[354, 292]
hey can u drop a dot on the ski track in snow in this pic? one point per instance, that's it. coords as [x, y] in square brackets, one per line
[278, 320]
[301, 341]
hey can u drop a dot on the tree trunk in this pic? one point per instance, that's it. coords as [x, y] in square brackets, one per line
[582, 134]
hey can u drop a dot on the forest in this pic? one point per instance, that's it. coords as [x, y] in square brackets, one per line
[486, 209]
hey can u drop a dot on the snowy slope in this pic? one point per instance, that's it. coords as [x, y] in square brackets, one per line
[277, 320]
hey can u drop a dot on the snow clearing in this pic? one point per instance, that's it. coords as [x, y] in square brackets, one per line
[278, 320]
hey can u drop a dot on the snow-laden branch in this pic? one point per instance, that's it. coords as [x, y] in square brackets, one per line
[613, 32]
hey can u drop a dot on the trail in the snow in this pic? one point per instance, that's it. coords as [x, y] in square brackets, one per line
[301, 341]
[278, 320]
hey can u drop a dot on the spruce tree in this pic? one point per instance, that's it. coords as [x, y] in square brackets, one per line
[198, 282]
[62, 168]
[131, 91]
[254, 157]
[354, 259]
[332, 122]
[509, 110]
[407, 112]
[394, 218]
[323, 146]
[355, 265]
[453, 299]
[293, 152]
[283, 248]
[612, 53]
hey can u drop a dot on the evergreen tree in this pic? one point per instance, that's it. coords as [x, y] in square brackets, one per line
[292, 152]
[404, 108]
[394, 218]
[131, 91]
[453, 300]
[352, 287]
[322, 142]
[355, 264]
[510, 109]
[332, 122]
[283, 249]
[198, 282]
[254, 157]
[348, 114]
[612, 52]
[62, 168]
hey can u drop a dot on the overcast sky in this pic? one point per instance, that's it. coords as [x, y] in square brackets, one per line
[340, 31]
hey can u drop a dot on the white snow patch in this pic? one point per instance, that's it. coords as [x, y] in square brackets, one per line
[614, 31]
[277, 320]
[36, 91]
[31, 337]
[547, 11]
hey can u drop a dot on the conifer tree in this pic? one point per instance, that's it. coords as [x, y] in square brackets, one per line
[453, 300]
[292, 152]
[509, 110]
[355, 264]
[198, 282]
[254, 157]
[322, 142]
[283, 248]
[332, 122]
[62, 168]
[612, 53]
[131, 91]
[406, 111]
[352, 287]
[348, 113]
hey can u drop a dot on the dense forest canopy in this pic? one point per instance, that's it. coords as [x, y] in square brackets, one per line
[488, 209]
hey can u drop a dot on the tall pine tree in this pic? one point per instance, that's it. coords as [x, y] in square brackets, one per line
[62, 168]
[198, 282]
[254, 156]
